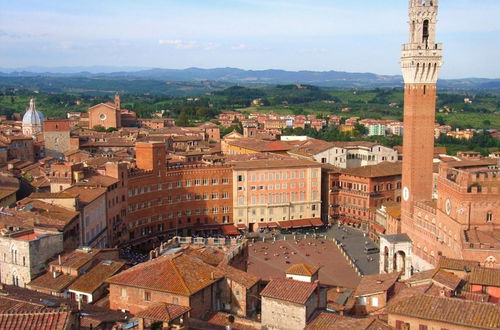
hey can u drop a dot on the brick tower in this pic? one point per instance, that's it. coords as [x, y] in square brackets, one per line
[420, 63]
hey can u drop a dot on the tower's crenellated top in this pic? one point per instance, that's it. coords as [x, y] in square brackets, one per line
[421, 58]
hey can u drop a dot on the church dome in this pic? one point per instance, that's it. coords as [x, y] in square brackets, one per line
[33, 116]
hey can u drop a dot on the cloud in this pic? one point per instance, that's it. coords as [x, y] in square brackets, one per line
[240, 47]
[179, 44]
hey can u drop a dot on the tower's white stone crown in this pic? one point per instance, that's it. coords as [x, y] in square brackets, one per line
[421, 58]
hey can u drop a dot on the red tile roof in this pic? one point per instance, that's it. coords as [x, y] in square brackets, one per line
[40, 320]
[289, 290]
[163, 312]
[180, 273]
[449, 310]
[302, 269]
[485, 276]
[246, 279]
[93, 279]
[372, 284]
[327, 321]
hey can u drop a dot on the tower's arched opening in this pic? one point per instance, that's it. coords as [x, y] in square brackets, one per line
[425, 32]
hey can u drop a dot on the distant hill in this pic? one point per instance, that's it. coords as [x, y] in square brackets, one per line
[239, 76]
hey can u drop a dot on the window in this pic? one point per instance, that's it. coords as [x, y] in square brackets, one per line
[225, 195]
[422, 327]
[374, 302]
[489, 217]
[225, 181]
[215, 181]
[323, 160]
[123, 292]
[215, 196]
[175, 300]
[240, 178]
[147, 296]
[362, 301]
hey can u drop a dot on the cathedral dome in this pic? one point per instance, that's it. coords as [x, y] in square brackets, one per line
[33, 116]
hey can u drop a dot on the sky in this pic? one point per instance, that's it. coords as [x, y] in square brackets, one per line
[322, 35]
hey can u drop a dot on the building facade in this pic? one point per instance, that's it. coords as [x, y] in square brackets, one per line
[269, 191]
[25, 253]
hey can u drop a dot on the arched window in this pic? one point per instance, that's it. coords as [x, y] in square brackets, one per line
[425, 32]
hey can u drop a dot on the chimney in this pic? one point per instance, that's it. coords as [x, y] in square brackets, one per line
[212, 276]
[59, 259]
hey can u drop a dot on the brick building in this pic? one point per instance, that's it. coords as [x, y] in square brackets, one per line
[106, 114]
[177, 279]
[463, 222]
[165, 200]
[351, 196]
[19, 147]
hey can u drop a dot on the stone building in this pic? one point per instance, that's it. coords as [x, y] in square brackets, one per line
[268, 191]
[57, 137]
[288, 304]
[32, 120]
[25, 252]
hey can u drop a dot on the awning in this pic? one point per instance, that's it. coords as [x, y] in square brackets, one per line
[378, 228]
[285, 224]
[301, 223]
[230, 230]
[241, 226]
[268, 225]
[316, 222]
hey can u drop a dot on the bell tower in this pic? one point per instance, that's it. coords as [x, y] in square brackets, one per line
[421, 61]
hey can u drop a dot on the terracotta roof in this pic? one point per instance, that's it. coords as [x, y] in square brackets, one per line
[220, 321]
[86, 194]
[246, 279]
[374, 171]
[99, 180]
[289, 290]
[485, 276]
[207, 254]
[312, 147]
[40, 320]
[457, 264]
[93, 279]
[47, 281]
[447, 279]
[327, 321]
[163, 312]
[302, 269]
[260, 145]
[340, 299]
[422, 276]
[449, 310]
[179, 273]
[76, 259]
[372, 284]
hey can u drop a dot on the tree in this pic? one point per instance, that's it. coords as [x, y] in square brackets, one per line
[112, 129]
[99, 128]
[182, 120]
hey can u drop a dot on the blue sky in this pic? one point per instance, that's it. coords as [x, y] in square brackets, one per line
[359, 36]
